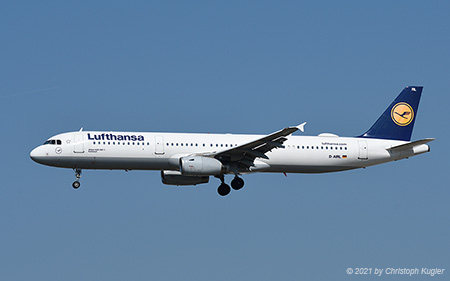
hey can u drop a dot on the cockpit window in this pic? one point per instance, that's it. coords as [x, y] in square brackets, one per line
[53, 142]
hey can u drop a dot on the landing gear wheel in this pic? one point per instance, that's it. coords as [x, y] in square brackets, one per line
[237, 183]
[224, 189]
[76, 184]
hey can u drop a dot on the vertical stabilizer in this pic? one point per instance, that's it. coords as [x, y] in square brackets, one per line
[397, 121]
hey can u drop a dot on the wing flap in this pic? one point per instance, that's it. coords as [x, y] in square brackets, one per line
[254, 153]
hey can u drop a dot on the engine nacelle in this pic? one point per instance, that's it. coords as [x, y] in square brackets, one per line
[200, 166]
[176, 178]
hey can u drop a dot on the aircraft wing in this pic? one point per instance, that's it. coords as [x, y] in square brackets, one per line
[243, 156]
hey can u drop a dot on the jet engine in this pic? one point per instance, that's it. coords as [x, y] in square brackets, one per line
[200, 166]
[176, 178]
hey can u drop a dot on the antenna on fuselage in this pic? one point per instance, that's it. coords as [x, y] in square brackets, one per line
[81, 130]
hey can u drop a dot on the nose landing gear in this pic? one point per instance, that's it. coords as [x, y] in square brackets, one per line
[76, 184]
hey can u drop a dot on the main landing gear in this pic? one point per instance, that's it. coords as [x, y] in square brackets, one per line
[224, 189]
[76, 184]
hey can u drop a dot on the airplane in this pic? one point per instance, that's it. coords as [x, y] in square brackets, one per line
[191, 159]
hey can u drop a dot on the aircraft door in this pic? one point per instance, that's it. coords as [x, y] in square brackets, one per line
[363, 150]
[78, 143]
[159, 145]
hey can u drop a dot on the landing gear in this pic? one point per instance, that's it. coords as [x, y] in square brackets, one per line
[224, 189]
[237, 183]
[76, 184]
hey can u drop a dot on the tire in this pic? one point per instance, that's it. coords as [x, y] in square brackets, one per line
[76, 184]
[224, 189]
[237, 183]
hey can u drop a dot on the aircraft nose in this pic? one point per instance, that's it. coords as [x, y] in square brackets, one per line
[37, 154]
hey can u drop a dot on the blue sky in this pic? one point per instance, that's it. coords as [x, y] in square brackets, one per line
[212, 66]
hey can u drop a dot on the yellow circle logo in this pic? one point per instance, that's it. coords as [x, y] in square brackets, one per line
[402, 114]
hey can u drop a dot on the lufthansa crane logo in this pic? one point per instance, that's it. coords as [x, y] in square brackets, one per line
[402, 114]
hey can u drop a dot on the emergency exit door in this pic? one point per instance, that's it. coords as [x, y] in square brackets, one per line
[159, 145]
[363, 150]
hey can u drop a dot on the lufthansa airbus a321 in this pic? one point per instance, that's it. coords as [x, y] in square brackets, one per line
[190, 159]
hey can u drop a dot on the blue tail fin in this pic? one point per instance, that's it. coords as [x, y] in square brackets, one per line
[397, 121]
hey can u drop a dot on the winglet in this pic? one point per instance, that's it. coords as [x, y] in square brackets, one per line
[301, 127]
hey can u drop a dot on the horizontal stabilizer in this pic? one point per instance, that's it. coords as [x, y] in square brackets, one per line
[409, 145]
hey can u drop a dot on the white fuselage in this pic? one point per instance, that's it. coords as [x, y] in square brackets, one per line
[162, 151]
